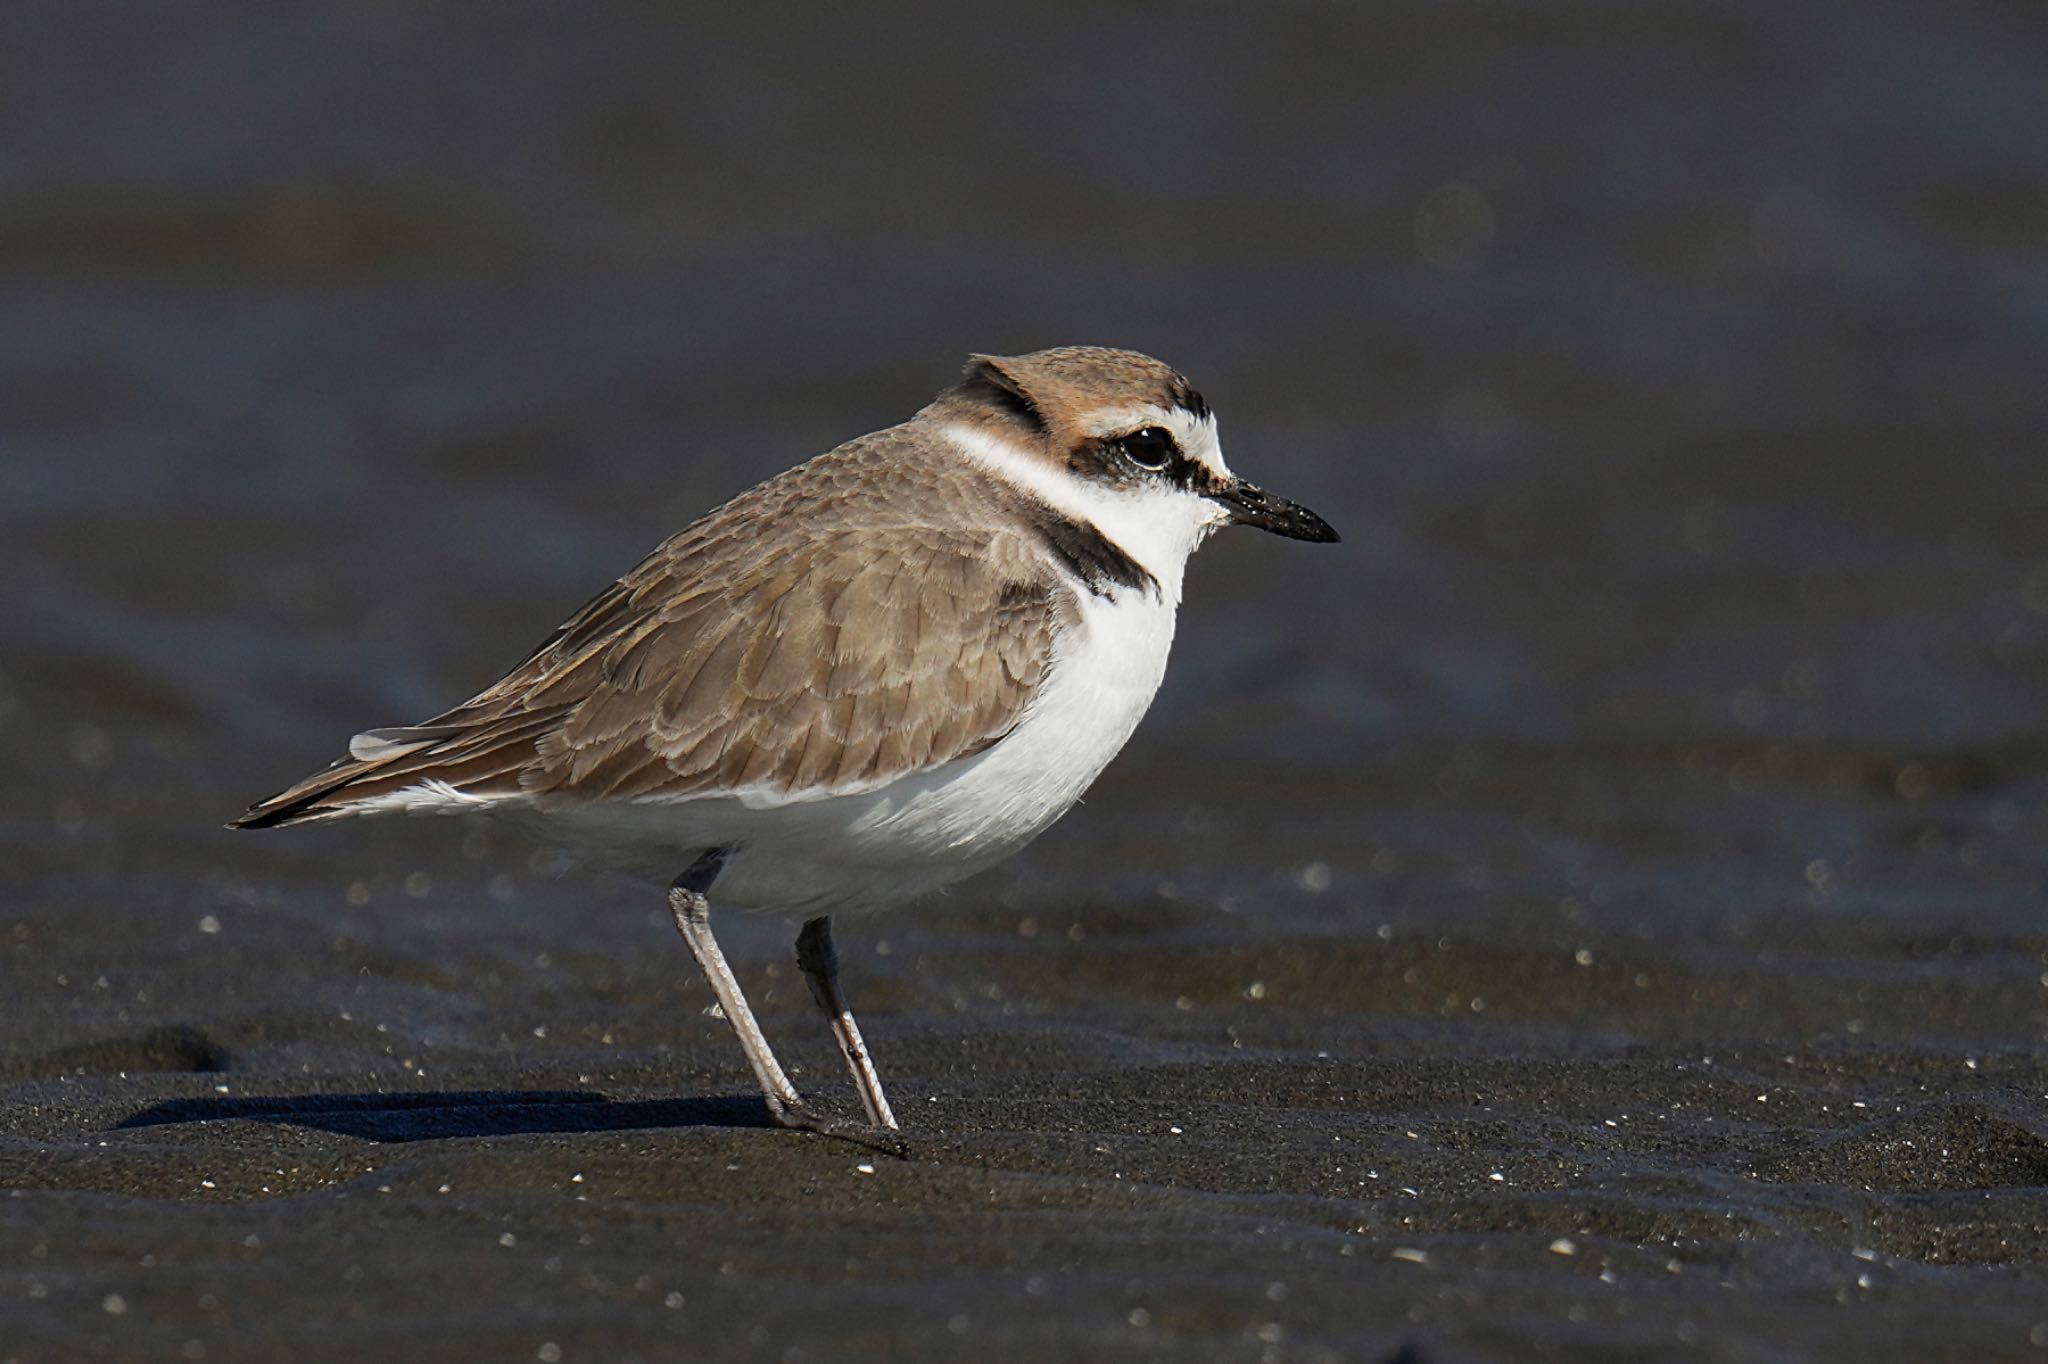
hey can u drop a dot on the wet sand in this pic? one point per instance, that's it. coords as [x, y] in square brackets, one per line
[1596, 912]
[453, 1125]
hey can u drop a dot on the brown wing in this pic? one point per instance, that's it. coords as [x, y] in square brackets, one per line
[837, 659]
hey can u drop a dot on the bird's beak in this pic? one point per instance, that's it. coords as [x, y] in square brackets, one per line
[1250, 505]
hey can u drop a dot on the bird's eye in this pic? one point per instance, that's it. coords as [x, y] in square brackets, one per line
[1151, 447]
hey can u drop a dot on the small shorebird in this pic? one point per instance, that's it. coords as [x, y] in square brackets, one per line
[870, 676]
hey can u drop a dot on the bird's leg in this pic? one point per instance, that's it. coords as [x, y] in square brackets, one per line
[693, 920]
[819, 961]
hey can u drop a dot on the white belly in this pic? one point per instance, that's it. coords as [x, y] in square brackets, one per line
[868, 851]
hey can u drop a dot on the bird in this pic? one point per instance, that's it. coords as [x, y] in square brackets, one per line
[857, 682]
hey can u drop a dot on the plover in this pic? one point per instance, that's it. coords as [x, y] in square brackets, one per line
[866, 678]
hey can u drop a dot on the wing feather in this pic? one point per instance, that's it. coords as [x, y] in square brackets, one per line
[751, 650]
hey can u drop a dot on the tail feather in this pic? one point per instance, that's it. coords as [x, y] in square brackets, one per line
[481, 760]
[324, 795]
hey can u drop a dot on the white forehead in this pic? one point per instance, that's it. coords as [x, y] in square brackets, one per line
[1195, 435]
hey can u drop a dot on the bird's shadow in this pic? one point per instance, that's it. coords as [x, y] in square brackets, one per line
[439, 1116]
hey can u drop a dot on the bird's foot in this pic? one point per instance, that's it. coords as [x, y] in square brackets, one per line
[885, 1141]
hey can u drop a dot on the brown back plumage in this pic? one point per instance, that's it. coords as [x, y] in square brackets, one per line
[874, 612]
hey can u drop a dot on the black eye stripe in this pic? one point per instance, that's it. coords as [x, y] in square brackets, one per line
[1149, 455]
[1149, 447]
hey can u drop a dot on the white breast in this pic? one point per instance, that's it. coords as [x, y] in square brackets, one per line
[880, 848]
[1103, 676]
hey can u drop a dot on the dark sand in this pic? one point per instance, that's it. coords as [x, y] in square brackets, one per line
[1595, 913]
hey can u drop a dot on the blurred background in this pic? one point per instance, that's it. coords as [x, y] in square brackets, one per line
[1674, 373]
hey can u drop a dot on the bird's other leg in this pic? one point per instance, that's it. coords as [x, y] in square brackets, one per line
[819, 961]
[686, 900]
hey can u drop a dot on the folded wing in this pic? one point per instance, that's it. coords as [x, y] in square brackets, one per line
[836, 663]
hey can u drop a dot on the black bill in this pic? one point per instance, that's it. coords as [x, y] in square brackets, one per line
[1251, 505]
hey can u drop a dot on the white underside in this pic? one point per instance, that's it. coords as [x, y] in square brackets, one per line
[817, 853]
[820, 853]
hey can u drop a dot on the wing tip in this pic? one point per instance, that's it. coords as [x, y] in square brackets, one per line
[382, 745]
[288, 807]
